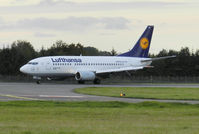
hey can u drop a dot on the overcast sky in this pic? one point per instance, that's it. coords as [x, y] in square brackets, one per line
[104, 24]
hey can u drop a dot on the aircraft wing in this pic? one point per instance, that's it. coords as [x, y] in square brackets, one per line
[118, 70]
[159, 58]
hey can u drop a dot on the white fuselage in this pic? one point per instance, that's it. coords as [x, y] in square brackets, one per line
[55, 66]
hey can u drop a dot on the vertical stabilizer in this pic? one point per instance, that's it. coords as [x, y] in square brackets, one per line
[141, 48]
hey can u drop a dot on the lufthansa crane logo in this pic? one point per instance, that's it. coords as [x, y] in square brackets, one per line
[144, 43]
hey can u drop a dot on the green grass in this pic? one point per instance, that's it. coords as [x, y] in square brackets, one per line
[144, 92]
[37, 117]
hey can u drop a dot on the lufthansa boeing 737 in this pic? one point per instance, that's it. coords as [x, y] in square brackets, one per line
[92, 68]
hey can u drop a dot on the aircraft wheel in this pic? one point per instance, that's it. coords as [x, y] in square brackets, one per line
[96, 81]
[81, 82]
[38, 82]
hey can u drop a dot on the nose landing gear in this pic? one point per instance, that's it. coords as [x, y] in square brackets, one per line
[38, 79]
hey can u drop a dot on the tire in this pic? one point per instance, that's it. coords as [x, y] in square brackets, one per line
[97, 81]
[81, 82]
[38, 82]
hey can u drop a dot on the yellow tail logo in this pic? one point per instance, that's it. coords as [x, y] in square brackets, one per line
[144, 43]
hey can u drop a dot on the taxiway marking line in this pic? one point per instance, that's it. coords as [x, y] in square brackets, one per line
[60, 96]
[16, 97]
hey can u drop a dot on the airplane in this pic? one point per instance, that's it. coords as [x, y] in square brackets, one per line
[92, 68]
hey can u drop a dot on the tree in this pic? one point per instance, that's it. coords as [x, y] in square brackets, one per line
[113, 52]
[16, 56]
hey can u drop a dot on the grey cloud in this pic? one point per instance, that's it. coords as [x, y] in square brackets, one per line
[115, 23]
[3, 24]
[107, 34]
[70, 24]
[43, 35]
[49, 6]
[106, 5]
[1, 21]
[56, 3]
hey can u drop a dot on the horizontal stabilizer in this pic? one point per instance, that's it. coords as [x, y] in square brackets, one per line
[159, 58]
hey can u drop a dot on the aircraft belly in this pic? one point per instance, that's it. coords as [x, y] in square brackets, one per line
[52, 74]
[55, 71]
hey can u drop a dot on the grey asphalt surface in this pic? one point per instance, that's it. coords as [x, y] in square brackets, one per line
[64, 92]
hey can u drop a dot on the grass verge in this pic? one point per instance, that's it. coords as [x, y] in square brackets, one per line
[144, 92]
[46, 117]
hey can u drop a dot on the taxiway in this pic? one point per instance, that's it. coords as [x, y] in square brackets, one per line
[64, 92]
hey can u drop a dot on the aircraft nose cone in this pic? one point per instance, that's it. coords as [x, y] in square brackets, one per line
[23, 69]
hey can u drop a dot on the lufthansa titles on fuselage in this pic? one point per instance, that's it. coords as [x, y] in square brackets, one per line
[65, 60]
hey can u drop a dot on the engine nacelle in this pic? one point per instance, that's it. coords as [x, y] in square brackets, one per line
[85, 75]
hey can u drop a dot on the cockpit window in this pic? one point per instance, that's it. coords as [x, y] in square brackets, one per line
[32, 63]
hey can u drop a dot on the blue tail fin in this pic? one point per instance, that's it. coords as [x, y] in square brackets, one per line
[141, 48]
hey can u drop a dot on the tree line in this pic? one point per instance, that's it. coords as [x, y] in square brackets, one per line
[20, 52]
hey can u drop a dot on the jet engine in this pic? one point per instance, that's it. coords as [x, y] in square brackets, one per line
[85, 75]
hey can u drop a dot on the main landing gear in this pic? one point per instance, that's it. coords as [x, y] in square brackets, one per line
[38, 82]
[81, 82]
[96, 81]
